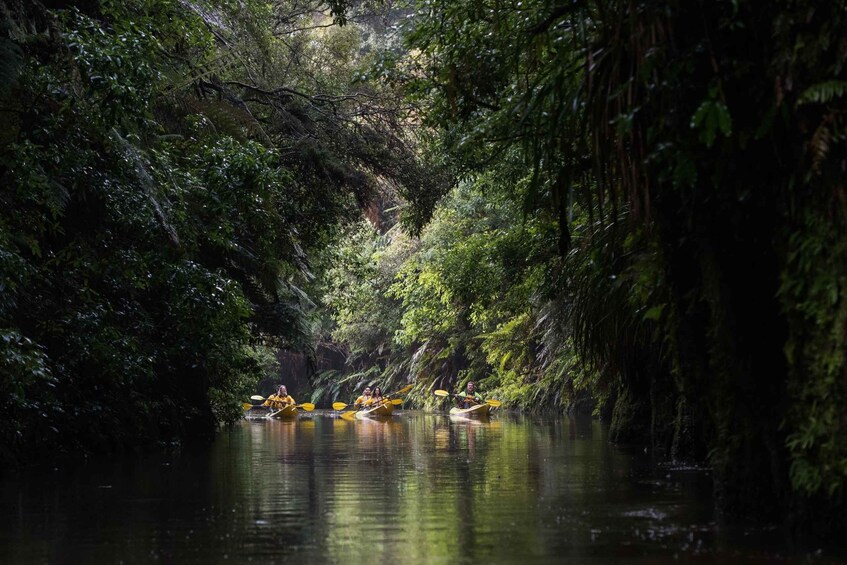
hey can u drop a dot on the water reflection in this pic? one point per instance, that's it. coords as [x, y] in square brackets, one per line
[417, 488]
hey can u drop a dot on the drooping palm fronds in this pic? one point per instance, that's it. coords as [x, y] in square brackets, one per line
[331, 385]
[11, 62]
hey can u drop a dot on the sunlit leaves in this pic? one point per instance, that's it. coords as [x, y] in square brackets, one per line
[117, 67]
[461, 303]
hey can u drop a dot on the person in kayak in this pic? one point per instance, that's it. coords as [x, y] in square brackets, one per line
[377, 396]
[470, 397]
[279, 400]
[365, 400]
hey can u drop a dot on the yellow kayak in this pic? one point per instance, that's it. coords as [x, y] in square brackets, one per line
[477, 411]
[380, 411]
[285, 412]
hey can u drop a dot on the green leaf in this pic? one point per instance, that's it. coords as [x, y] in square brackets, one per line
[710, 117]
[823, 92]
[654, 313]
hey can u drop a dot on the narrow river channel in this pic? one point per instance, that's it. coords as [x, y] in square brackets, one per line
[420, 488]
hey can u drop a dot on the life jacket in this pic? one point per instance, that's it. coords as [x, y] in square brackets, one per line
[468, 400]
[276, 401]
[363, 400]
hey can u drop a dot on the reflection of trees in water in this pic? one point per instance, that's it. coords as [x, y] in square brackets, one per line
[348, 485]
[582, 425]
[280, 480]
[429, 468]
[475, 461]
[416, 489]
[465, 500]
[364, 464]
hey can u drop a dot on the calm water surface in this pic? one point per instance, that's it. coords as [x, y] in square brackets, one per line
[420, 488]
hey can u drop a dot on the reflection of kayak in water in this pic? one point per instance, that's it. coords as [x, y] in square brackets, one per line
[477, 411]
[382, 411]
[285, 412]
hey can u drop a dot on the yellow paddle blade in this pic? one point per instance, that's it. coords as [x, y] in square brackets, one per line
[246, 405]
[440, 392]
[349, 415]
[494, 403]
[307, 406]
[405, 389]
[257, 397]
[338, 406]
[396, 401]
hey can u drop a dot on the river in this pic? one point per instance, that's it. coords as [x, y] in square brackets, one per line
[420, 488]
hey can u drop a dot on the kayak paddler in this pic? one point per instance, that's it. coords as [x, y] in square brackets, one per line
[280, 399]
[365, 399]
[470, 397]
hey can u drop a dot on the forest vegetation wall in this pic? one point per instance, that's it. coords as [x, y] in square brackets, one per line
[168, 172]
[709, 141]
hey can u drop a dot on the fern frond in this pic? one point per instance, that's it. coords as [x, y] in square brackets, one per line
[177, 81]
[225, 118]
[823, 92]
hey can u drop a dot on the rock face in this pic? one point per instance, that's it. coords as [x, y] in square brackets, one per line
[582, 405]
[630, 419]
[296, 369]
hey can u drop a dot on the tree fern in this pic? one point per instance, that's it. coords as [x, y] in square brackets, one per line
[226, 118]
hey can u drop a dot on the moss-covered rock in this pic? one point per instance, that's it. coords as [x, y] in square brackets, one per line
[630, 419]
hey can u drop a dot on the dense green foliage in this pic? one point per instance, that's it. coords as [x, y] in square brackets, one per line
[689, 158]
[166, 171]
[470, 299]
[647, 215]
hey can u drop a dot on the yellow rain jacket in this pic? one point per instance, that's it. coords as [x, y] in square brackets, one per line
[277, 402]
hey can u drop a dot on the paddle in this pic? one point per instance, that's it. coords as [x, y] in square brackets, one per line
[307, 406]
[491, 402]
[342, 406]
[351, 413]
[386, 398]
[403, 390]
[397, 401]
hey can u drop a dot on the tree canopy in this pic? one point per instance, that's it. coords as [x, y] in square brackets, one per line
[689, 158]
[168, 171]
[632, 208]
